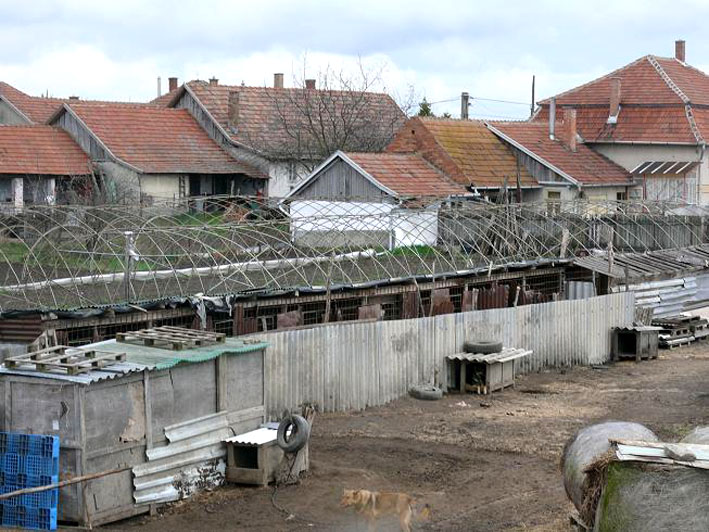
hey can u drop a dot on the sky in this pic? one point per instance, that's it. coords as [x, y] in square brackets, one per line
[111, 50]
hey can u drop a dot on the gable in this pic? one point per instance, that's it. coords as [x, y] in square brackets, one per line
[340, 180]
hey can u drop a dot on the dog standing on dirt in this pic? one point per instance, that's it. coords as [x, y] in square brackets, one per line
[373, 504]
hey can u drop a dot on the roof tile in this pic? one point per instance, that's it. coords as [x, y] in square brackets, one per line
[464, 149]
[268, 118]
[158, 140]
[584, 165]
[406, 174]
[40, 150]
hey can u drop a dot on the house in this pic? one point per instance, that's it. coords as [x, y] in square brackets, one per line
[652, 118]
[286, 132]
[566, 168]
[468, 153]
[154, 153]
[377, 199]
[37, 164]
[16, 107]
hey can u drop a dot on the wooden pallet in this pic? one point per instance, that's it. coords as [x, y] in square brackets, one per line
[70, 360]
[175, 338]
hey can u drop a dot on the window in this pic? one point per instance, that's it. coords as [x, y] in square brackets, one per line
[621, 196]
[553, 201]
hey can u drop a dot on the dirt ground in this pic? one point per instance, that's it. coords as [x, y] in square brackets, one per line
[481, 463]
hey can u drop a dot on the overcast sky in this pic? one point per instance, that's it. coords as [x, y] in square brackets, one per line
[115, 50]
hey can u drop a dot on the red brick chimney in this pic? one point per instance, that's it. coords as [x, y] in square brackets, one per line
[614, 101]
[679, 50]
[233, 110]
[213, 82]
[278, 81]
[172, 84]
[310, 84]
[569, 137]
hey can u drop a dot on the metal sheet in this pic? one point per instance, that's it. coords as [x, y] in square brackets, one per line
[193, 458]
[255, 437]
[507, 353]
[347, 366]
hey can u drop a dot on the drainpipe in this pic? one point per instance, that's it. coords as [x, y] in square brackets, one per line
[702, 151]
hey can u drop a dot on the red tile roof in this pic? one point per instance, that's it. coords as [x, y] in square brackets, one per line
[407, 174]
[158, 140]
[37, 110]
[465, 150]
[40, 150]
[654, 93]
[584, 165]
[269, 119]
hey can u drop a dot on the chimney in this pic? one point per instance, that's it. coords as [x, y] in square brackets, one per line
[679, 51]
[73, 97]
[552, 118]
[614, 101]
[464, 99]
[233, 109]
[159, 87]
[310, 84]
[278, 81]
[570, 128]
[213, 82]
[172, 84]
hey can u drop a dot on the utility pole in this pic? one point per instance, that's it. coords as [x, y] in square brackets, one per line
[464, 103]
[531, 108]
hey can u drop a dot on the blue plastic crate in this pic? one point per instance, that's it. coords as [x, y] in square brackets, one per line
[42, 499]
[44, 446]
[33, 481]
[33, 518]
[34, 444]
[12, 464]
[9, 515]
[35, 465]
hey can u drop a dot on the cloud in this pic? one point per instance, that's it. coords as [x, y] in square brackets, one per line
[116, 50]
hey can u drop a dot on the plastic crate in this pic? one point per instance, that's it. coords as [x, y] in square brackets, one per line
[35, 465]
[42, 499]
[33, 518]
[33, 481]
[32, 444]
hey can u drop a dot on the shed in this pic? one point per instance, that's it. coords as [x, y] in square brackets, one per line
[377, 199]
[162, 413]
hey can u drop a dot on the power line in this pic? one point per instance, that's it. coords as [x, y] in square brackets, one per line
[481, 99]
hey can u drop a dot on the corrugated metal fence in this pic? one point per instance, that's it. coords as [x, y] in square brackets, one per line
[350, 366]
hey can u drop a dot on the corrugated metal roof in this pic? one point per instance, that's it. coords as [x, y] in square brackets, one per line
[648, 264]
[255, 437]
[507, 354]
[181, 467]
[139, 358]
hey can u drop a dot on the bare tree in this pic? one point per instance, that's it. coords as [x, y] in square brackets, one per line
[336, 111]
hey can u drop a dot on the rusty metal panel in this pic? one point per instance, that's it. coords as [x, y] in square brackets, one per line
[366, 312]
[441, 302]
[410, 305]
[470, 299]
[496, 296]
[286, 320]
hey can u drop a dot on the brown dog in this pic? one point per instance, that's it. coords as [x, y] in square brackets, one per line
[373, 504]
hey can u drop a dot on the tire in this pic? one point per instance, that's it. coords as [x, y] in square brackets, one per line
[299, 434]
[426, 392]
[484, 347]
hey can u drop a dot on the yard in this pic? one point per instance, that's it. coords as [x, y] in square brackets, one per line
[481, 463]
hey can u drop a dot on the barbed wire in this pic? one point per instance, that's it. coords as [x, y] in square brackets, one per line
[77, 256]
